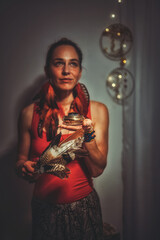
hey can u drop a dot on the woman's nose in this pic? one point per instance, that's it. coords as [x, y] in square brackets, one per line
[65, 69]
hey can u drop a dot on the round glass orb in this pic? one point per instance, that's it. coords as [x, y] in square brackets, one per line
[120, 84]
[116, 41]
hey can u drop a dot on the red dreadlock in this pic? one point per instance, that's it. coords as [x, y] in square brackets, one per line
[48, 108]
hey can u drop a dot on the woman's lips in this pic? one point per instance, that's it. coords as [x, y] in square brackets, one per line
[66, 80]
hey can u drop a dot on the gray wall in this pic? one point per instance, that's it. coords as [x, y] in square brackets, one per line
[27, 29]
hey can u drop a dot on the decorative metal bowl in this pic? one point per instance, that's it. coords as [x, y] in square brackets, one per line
[73, 119]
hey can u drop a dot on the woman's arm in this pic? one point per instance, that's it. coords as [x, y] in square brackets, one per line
[98, 147]
[25, 167]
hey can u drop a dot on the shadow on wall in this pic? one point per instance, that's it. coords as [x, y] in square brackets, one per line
[27, 95]
[16, 194]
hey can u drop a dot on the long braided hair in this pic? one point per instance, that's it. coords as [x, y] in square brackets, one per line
[47, 107]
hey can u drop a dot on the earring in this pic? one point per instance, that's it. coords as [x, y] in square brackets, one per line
[50, 82]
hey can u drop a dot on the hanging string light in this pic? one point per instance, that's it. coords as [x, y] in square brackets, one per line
[116, 41]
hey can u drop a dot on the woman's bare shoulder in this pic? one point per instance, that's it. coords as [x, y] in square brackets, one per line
[98, 108]
[27, 111]
[99, 113]
[26, 115]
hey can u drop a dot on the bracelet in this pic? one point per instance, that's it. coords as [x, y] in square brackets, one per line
[89, 136]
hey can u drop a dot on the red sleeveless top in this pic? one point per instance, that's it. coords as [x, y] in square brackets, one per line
[51, 188]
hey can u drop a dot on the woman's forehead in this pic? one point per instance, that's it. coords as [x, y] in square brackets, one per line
[65, 52]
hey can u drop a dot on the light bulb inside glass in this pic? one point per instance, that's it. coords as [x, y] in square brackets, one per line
[107, 29]
[113, 15]
[113, 85]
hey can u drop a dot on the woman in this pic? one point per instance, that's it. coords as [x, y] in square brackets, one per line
[64, 208]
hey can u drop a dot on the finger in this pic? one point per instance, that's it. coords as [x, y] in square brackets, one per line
[70, 127]
[30, 174]
[28, 168]
[87, 122]
[88, 125]
[23, 170]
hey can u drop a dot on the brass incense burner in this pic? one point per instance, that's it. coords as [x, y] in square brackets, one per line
[73, 119]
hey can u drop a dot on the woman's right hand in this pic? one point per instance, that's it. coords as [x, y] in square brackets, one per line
[26, 170]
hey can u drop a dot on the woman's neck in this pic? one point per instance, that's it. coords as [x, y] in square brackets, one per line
[65, 99]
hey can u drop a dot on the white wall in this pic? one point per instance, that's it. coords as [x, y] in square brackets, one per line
[27, 29]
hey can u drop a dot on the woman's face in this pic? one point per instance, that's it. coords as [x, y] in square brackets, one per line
[64, 71]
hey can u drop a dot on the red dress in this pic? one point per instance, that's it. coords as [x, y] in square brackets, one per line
[51, 188]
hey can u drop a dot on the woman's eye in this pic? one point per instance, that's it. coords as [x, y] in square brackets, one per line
[58, 64]
[74, 64]
[61, 64]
